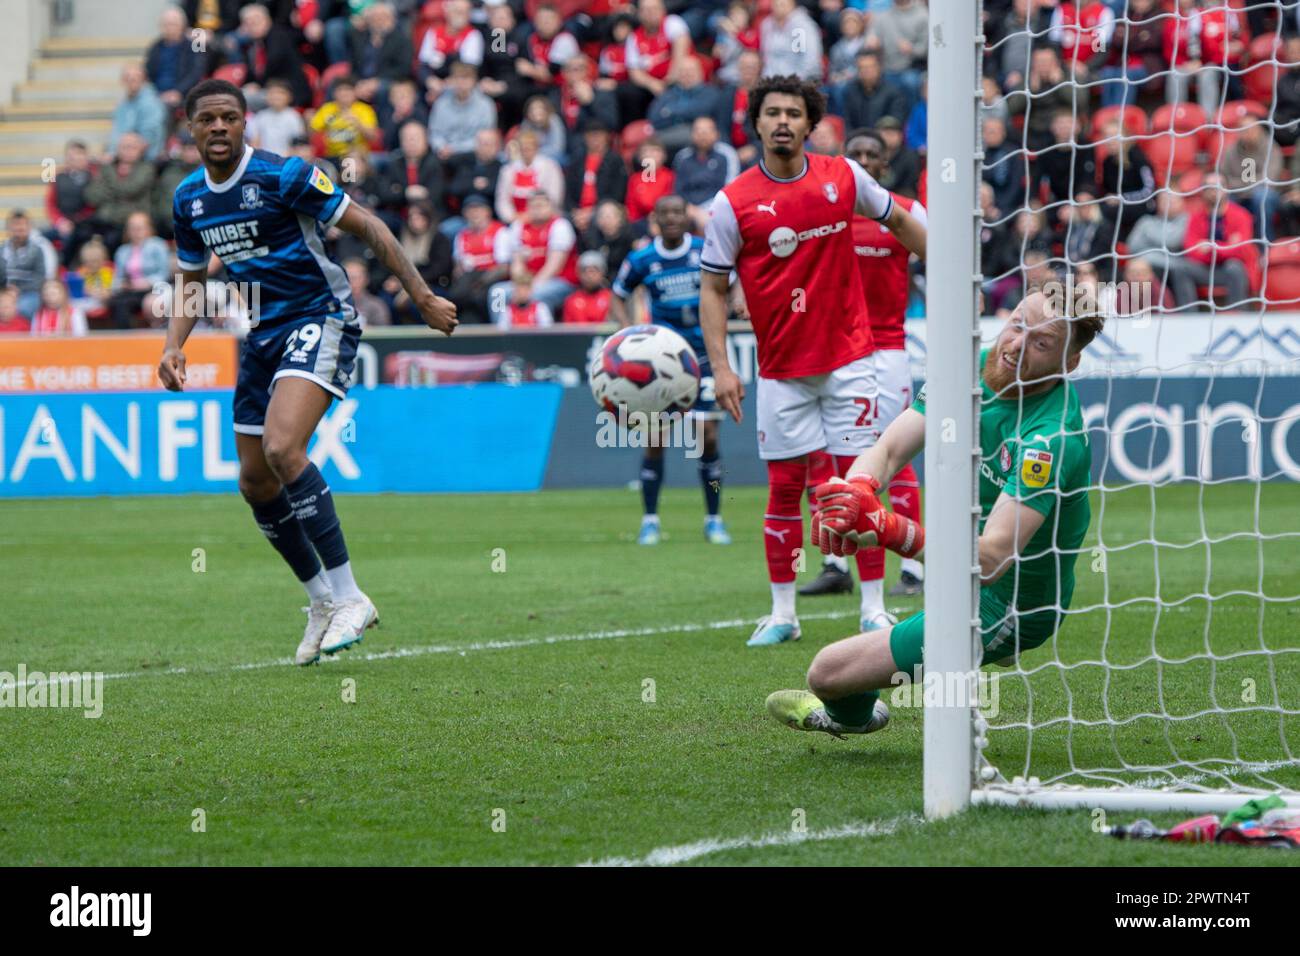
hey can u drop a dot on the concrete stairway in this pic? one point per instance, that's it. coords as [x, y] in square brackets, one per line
[73, 86]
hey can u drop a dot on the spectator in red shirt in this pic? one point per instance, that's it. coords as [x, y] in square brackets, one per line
[594, 173]
[740, 134]
[651, 178]
[590, 303]
[614, 55]
[736, 34]
[65, 202]
[57, 316]
[524, 312]
[653, 48]
[1220, 247]
[1137, 52]
[547, 49]
[481, 259]
[12, 322]
[578, 99]
[1203, 42]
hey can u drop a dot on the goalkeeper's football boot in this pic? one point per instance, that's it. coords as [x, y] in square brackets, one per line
[909, 585]
[877, 619]
[649, 530]
[715, 532]
[831, 581]
[318, 620]
[803, 710]
[349, 623]
[772, 630]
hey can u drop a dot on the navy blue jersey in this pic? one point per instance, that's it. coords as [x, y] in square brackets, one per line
[672, 280]
[266, 223]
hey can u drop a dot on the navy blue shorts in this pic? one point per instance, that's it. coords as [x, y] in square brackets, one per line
[321, 350]
[705, 406]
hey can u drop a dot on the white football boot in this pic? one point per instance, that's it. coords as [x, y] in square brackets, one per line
[349, 623]
[318, 620]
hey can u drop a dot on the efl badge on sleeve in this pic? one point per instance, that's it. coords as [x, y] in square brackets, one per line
[1036, 468]
[322, 182]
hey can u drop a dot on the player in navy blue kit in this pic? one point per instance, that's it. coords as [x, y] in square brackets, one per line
[669, 269]
[264, 216]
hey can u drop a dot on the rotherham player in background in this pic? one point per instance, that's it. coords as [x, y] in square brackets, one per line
[784, 226]
[886, 281]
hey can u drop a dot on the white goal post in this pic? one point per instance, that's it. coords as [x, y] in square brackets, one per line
[1132, 722]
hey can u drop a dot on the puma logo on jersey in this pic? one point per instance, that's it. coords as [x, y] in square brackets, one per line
[768, 207]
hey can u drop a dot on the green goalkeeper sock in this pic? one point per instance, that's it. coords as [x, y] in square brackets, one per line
[853, 711]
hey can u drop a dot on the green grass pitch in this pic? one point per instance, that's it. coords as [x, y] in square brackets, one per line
[503, 713]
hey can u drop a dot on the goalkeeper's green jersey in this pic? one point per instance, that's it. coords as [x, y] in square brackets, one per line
[1036, 450]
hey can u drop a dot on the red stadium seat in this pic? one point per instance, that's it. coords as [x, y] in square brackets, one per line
[1282, 280]
[313, 83]
[232, 73]
[1285, 253]
[1240, 113]
[1183, 118]
[836, 123]
[634, 134]
[1170, 155]
[332, 73]
[1189, 184]
[1216, 144]
[1134, 121]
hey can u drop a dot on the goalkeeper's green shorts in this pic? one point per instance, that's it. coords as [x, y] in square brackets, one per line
[1004, 631]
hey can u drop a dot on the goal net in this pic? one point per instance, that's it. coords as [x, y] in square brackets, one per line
[1134, 159]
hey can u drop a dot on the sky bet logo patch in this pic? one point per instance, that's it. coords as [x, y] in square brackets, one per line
[321, 181]
[1036, 468]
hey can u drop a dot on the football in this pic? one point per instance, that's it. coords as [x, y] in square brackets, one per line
[645, 369]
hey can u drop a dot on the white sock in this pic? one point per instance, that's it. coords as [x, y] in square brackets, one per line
[318, 587]
[873, 596]
[342, 583]
[914, 567]
[836, 561]
[650, 519]
[783, 601]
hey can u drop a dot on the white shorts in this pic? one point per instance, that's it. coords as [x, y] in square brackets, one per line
[894, 379]
[836, 411]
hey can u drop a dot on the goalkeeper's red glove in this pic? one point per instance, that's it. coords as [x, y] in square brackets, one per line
[850, 516]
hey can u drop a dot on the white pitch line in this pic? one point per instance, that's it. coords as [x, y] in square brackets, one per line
[686, 852]
[461, 649]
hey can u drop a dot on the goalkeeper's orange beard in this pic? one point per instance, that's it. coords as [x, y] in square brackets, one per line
[1005, 382]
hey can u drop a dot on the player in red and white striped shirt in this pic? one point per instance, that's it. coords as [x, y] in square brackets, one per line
[785, 227]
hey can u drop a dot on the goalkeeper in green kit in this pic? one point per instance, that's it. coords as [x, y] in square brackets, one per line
[1035, 470]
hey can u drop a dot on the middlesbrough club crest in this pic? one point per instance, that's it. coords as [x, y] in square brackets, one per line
[832, 194]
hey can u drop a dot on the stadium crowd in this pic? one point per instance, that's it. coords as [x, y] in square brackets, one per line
[517, 147]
